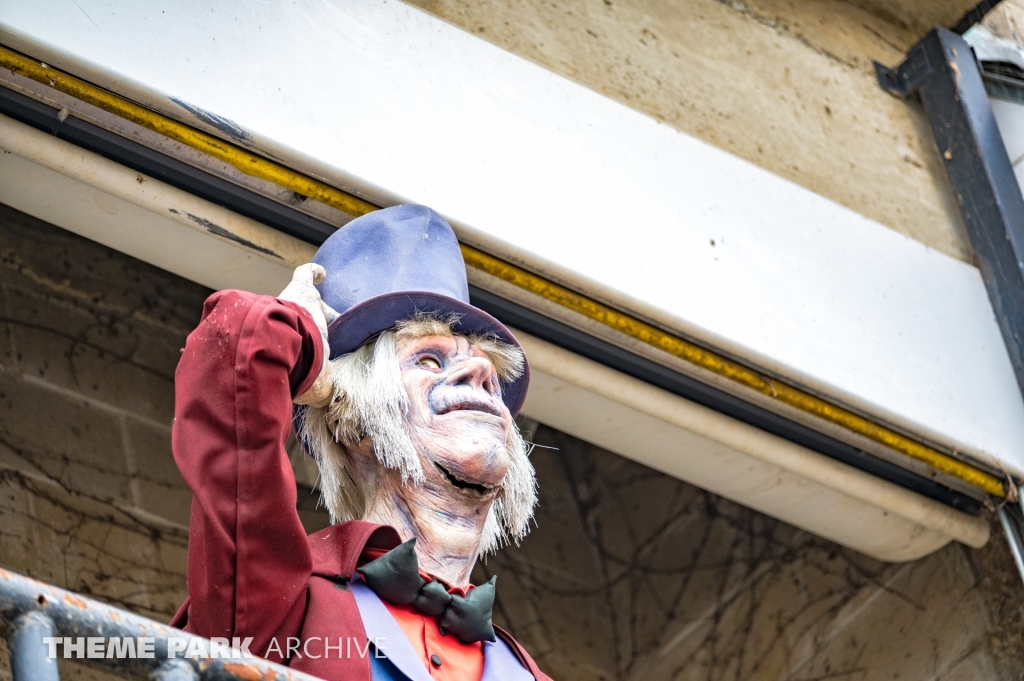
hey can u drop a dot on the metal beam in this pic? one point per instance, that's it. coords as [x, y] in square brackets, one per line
[941, 69]
[1009, 516]
[974, 15]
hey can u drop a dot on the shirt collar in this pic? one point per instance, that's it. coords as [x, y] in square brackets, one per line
[381, 627]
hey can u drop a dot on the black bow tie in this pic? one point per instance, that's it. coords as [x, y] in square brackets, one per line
[395, 577]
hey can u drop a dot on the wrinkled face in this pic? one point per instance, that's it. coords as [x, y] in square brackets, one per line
[457, 420]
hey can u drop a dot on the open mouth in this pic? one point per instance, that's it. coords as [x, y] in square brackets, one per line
[460, 483]
[468, 403]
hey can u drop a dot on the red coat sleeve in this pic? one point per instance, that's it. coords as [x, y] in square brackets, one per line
[249, 560]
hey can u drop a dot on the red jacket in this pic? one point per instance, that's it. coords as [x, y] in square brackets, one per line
[252, 571]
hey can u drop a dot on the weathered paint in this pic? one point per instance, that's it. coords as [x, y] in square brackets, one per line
[246, 162]
[729, 369]
[72, 615]
[217, 230]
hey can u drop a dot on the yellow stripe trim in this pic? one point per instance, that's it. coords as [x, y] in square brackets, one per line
[247, 162]
[705, 359]
[262, 168]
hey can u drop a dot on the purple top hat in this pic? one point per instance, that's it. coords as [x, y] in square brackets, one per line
[388, 265]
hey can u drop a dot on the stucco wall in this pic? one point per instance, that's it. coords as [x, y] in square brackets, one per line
[629, 574]
[785, 84]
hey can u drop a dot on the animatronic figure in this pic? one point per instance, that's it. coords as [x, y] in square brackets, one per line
[407, 396]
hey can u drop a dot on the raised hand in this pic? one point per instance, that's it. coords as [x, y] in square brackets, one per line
[301, 290]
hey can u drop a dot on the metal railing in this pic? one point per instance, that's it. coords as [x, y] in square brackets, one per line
[33, 615]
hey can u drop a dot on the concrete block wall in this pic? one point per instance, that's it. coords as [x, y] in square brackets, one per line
[89, 340]
[90, 499]
[629, 574]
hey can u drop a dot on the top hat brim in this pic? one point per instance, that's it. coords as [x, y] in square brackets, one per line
[368, 319]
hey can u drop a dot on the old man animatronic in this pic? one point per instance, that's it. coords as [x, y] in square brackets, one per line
[405, 396]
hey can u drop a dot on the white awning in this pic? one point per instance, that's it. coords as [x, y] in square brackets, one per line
[385, 101]
[167, 227]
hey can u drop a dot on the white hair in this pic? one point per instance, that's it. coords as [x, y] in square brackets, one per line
[370, 401]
